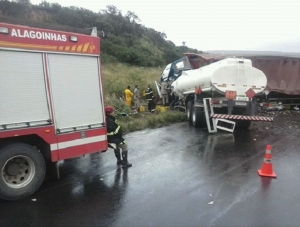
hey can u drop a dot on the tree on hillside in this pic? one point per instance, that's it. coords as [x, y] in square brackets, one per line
[132, 17]
[163, 35]
[55, 7]
[46, 4]
[129, 41]
[24, 2]
[112, 10]
[15, 9]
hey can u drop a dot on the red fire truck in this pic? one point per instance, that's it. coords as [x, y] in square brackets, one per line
[51, 103]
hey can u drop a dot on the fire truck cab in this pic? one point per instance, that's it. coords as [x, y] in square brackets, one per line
[51, 103]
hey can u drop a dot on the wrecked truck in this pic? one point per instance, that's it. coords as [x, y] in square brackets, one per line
[281, 69]
[217, 95]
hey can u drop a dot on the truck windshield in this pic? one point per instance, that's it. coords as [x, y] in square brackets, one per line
[178, 66]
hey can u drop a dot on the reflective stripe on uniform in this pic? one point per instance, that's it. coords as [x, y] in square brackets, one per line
[115, 132]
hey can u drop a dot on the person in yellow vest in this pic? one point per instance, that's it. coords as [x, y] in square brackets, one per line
[128, 96]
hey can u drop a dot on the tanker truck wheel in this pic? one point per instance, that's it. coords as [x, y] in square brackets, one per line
[199, 117]
[22, 171]
[189, 111]
[242, 124]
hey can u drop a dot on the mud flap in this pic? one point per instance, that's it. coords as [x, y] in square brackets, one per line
[54, 168]
[210, 122]
[213, 123]
[225, 125]
[158, 89]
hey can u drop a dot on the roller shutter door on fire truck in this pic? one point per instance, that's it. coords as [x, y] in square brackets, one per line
[22, 90]
[76, 96]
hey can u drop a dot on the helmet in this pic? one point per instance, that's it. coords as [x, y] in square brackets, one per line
[109, 109]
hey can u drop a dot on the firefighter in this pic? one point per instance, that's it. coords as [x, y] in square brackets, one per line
[164, 93]
[150, 99]
[114, 135]
[128, 96]
[136, 98]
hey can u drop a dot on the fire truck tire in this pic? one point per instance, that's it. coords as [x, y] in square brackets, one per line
[189, 111]
[22, 169]
[199, 117]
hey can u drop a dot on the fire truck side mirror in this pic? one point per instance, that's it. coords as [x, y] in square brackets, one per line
[94, 31]
[103, 34]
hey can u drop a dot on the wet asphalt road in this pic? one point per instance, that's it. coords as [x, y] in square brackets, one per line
[181, 176]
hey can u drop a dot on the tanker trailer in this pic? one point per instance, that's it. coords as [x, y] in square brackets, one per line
[229, 87]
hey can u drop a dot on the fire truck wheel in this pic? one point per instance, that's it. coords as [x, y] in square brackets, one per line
[22, 171]
[189, 111]
[199, 117]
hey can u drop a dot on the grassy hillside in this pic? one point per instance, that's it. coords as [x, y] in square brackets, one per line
[131, 54]
[128, 41]
[116, 77]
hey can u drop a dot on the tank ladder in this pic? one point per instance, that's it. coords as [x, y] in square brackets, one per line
[214, 123]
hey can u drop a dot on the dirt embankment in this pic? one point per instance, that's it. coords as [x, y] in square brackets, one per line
[284, 120]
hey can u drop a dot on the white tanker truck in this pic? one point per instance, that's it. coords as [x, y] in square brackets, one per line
[218, 95]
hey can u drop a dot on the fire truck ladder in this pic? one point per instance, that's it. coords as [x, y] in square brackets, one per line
[214, 123]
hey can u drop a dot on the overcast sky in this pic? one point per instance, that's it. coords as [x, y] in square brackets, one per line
[271, 25]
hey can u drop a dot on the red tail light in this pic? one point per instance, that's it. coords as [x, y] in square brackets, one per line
[215, 101]
[198, 90]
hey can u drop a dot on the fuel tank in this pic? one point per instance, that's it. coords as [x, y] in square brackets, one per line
[230, 74]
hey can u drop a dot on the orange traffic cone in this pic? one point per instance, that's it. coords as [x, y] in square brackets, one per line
[267, 169]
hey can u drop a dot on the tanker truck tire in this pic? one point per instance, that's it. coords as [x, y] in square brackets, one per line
[23, 170]
[189, 111]
[242, 124]
[199, 117]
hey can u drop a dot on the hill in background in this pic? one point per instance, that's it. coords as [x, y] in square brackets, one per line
[127, 40]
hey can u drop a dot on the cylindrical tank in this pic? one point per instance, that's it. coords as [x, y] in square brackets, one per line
[233, 74]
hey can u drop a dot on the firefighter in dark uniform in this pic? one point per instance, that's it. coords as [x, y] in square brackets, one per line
[150, 99]
[114, 135]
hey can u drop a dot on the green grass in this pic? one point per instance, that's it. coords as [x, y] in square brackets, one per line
[116, 78]
[143, 120]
